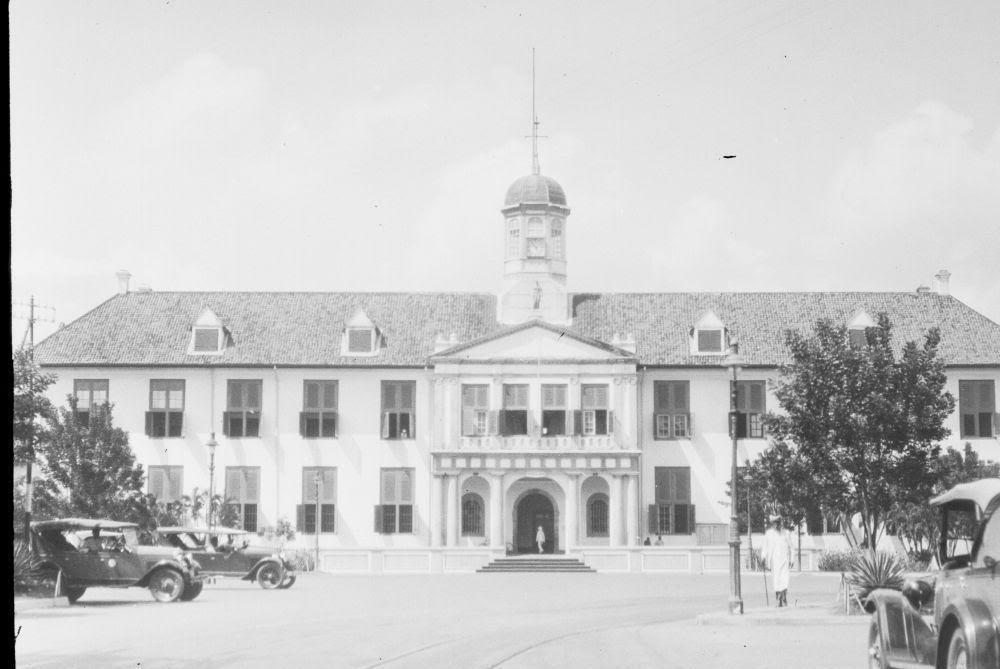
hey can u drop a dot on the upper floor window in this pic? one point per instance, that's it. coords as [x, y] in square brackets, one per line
[514, 415]
[360, 336]
[243, 403]
[243, 494]
[750, 405]
[708, 335]
[206, 340]
[395, 512]
[207, 334]
[672, 417]
[513, 238]
[399, 409]
[165, 417]
[596, 417]
[319, 409]
[857, 327]
[536, 238]
[475, 410]
[554, 408]
[977, 408]
[89, 393]
[556, 239]
[164, 482]
[321, 481]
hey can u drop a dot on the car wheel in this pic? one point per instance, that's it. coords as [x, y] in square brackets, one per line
[73, 594]
[958, 651]
[166, 585]
[269, 576]
[191, 591]
[876, 652]
[288, 582]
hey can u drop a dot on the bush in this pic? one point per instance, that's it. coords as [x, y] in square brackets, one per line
[25, 567]
[872, 571]
[302, 559]
[836, 560]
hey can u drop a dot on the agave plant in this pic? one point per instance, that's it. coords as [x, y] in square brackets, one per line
[25, 565]
[873, 570]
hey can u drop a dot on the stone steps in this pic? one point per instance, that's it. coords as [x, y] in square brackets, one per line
[535, 564]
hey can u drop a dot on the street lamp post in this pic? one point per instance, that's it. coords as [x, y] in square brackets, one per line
[212, 443]
[733, 361]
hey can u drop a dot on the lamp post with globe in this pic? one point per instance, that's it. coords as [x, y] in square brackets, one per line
[733, 361]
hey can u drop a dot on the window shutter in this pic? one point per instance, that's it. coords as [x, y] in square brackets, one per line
[691, 522]
[741, 396]
[611, 422]
[569, 423]
[300, 518]
[468, 421]
[413, 425]
[149, 423]
[225, 423]
[252, 484]
[577, 422]
[234, 484]
[175, 424]
[302, 423]
[406, 486]
[680, 397]
[329, 485]
[494, 423]
[308, 485]
[174, 475]
[502, 421]
[378, 519]
[385, 425]
[661, 396]
[654, 519]
[406, 518]
[156, 483]
[388, 395]
[406, 393]
[756, 397]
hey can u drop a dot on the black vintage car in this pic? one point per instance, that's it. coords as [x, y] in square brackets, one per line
[80, 553]
[949, 618]
[227, 552]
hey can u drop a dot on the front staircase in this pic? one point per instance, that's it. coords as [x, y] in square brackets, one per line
[535, 563]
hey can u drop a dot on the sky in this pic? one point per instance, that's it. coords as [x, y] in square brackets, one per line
[367, 146]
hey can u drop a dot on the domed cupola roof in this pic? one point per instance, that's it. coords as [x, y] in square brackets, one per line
[535, 189]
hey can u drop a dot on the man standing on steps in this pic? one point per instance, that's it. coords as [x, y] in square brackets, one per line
[540, 538]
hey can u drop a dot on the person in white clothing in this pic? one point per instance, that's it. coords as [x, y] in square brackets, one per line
[540, 538]
[777, 555]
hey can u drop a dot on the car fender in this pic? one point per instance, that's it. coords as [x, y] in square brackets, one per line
[885, 603]
[252, 574]
[980, 629]
[170, 564]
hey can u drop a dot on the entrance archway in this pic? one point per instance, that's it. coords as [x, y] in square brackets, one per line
[533, 510]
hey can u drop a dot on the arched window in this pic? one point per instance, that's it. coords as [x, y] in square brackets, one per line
[597, 515]
[473, 524]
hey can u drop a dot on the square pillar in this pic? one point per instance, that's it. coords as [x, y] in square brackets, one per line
[436, 511]
[572, 533]
[451, 510]
[632, 510]
[496, 511]
[615, 511]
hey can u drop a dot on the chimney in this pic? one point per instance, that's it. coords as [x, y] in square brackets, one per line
[941, 282]
[123, 276]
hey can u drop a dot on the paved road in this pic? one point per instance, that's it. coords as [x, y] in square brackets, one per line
[393, 621]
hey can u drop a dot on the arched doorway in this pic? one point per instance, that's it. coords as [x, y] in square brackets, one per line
[535, 509]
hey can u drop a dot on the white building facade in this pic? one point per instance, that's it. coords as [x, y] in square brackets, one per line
[437, 431]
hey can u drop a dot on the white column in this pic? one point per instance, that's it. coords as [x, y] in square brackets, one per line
[615, 511]
[496, 511]
[572, 512]
[451, 427]
[436, 510]
[451, 513]
[632, 510]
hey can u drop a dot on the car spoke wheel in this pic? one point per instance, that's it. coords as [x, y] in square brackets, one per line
[288, 582]
[192, 591]
[269, 576]
[958, 651]
[166, 585]
[73, 594]
[876, 655]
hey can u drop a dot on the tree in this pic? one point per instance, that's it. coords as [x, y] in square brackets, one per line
[89, 469]
[779, 481]
[916, 523]
[865, 423]
[30, 406]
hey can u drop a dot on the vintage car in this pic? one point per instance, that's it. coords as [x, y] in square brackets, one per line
[80, 553]
[951, 617]
[227, 552]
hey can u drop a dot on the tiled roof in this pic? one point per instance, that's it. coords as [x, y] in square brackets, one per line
[153, 328]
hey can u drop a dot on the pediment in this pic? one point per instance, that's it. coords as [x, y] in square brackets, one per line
[534, 341]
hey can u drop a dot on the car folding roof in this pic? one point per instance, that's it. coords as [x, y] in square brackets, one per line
[81, 524]
[981, 492]
[199, 530]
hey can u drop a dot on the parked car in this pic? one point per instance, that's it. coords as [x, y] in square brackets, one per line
[80, 553]
[227, 552]
[949, 619]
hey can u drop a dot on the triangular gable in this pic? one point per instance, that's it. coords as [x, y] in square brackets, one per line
[535, 340]
[207, 319]
[860, 321]
[360, 320]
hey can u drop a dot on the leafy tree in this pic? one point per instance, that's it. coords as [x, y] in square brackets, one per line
[779, 481]
[865, 423]
[915, 522]
[30, 405]
[89, 469]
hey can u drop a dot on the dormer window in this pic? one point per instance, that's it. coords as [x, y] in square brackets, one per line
[208, 336]
[360, 336]
[708, 337]
[856, 328]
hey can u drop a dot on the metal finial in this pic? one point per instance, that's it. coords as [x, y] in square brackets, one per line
[535, 167]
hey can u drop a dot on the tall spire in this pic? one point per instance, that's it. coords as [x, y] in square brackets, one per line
[535, 167]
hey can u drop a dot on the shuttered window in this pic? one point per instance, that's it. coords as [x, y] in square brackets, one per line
[596, 418]
[165, 482]
[395, 513]
[89, 393]
[399, 409]
[243, 494]
[325, 479]
[672, 512]
[672, 417]
[750, 403]
[243, 404]
[597, 515]
[977, 408]
[554, 406]
[475, 410]
[165, 417]
[514, 415]
[319, 409]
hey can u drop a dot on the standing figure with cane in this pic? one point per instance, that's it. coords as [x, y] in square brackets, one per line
[777, 555]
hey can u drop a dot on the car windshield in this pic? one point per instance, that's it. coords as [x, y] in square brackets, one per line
[959, 524]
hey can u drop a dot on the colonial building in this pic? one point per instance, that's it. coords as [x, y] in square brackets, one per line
[435, 431]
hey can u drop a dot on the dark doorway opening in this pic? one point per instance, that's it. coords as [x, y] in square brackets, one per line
[534, 510]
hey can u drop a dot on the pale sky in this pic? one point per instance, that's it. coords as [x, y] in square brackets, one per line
[332, 146]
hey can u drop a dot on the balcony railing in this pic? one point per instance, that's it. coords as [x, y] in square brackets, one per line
[588, 443]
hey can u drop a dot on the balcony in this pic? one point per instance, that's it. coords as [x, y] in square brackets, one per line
[554, 444]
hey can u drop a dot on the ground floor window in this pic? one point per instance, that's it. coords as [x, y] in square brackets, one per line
[165, 482]
[597, 515]
[243, 494]
[473, 516]
[672, 512]
[395, 513]
[321, 482]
